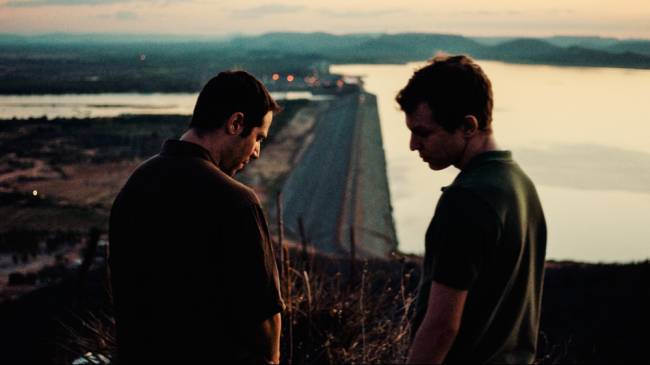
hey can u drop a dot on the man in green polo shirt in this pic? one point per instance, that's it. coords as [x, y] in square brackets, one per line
[480, 294]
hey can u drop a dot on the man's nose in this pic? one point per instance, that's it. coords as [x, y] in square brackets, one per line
[256, 151]
[413, 143]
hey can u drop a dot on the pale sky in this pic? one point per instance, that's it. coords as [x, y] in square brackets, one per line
[607, 18]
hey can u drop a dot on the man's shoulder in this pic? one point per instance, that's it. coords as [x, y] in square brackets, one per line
[495, 178]
[503, 186]
[470, 201]
[237, 191]
[212, 182]
[190, 177]
[490, 188]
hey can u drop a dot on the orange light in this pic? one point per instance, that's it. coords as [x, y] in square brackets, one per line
[340, 83]
[290, 78]
[275, 77]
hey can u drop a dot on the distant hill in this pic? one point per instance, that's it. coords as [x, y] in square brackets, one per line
[363, 48]
[613, 45]
[405, 47]
[641, 47]
[90, 63]
[528, 50]
[492, 41]
[321, 43]
[586, 42]
[411, 47]
[521, 49]
[119, 38]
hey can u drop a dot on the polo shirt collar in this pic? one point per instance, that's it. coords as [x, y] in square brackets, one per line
[178, 148]
[481, 159]
[489, 156]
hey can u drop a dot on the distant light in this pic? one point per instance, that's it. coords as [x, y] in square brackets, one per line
[290, 78]
[275, 77]
[311, 80]
[340, 83]
[143, 57]
[35, 192]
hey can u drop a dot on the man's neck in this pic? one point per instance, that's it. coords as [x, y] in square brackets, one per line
[205, 142]
[475, 146]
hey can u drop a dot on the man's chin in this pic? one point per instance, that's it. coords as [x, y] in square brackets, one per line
[437, 167]
[237, 169]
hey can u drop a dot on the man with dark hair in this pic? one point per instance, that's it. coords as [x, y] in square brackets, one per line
[480, 293]
[192, 268]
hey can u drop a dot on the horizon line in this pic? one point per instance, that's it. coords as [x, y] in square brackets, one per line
[257, 34]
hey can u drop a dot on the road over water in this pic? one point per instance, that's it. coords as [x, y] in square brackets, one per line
[340, 183]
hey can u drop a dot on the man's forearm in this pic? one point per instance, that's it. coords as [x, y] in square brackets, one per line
[271, 330]
[431, 345]
[440, 325]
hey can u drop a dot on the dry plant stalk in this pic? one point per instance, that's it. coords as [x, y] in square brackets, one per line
[330, 317]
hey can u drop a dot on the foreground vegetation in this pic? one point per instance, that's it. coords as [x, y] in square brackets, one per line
[351, 311]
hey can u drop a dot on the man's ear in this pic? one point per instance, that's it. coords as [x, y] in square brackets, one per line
[235, 124]
[470, 125]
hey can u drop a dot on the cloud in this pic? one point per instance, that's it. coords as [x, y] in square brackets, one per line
[513, 12]
[120, 15]
[488, 13]
[560, 12]
[264, 10]
[360, 14]
[126, 15]
[279, 9]
[37, 3]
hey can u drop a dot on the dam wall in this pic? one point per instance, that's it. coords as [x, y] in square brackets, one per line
[339, 187]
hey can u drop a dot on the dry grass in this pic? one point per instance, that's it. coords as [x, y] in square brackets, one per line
[343, 317]
[93, 333]
[333, 315]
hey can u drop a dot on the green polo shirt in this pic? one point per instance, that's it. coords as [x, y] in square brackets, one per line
[488, 236]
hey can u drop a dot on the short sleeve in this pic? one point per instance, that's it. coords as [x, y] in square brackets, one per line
[463, 232]
[254, 291]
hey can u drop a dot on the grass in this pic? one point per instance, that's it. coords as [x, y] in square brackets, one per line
[345, 311]
[351, 311]
[338, 315]
[334, 314]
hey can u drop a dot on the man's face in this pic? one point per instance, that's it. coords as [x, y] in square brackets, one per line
[245, 149]
[436, 146]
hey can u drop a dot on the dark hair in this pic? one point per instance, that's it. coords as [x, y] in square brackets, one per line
[230, 92]
[453, 87]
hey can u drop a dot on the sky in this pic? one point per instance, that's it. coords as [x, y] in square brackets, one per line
[535, 18]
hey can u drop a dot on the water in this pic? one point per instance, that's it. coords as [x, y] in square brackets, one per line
[580, 133]
[109, 105]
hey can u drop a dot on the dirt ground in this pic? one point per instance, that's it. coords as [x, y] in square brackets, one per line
[83, 184]
[82, 192]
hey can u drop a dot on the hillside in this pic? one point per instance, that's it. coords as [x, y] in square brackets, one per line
[91, 64]
[355, 312]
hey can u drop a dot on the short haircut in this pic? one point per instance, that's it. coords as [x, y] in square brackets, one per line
[230, 92]
[453, 87]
